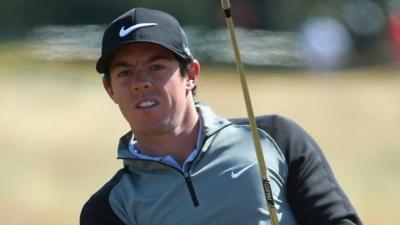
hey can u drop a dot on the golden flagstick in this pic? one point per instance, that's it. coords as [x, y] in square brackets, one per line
[260, 157]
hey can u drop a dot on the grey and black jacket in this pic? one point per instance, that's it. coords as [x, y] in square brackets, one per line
[223, 185]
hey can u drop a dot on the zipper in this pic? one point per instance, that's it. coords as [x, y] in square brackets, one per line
[186, 176]
[188, 179]
[189, 185]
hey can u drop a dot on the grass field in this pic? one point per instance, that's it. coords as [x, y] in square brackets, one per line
[60, 131]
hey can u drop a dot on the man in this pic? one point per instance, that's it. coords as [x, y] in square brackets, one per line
[185, 165]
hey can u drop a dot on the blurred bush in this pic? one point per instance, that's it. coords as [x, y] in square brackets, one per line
[363, 21]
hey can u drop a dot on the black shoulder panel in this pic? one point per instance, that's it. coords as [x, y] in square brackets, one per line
[97, 210]
[312, 190]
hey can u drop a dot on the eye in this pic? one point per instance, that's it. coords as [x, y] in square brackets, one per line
[156, 67]
[124, 73]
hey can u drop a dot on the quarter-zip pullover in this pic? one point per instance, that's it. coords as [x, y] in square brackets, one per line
[222, 185]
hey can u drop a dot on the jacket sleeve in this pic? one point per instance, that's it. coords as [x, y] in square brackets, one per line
[97, 210]
[314, 195]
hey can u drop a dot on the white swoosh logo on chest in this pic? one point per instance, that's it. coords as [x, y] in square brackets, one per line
[123, 32]
[240, 172]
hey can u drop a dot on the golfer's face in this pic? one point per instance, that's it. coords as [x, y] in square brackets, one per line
[147, 85]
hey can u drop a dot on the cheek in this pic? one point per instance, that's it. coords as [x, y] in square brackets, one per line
[178, 89]
[121, 92]
[126, 113]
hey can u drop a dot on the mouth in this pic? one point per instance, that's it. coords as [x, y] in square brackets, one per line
[146, 104]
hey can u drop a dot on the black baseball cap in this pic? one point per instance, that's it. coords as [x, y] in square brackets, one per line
[146, 26]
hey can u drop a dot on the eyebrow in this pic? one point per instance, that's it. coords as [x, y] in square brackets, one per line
[119, 64]
[159, 57]
[150, 60]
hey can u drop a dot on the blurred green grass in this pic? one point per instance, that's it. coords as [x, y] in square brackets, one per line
[60, 130]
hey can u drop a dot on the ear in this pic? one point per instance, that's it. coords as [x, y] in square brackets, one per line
[107, 86]
[192, 75]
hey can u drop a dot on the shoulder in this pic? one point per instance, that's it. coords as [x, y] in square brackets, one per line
[97, 210]
[275, 125]
[284, 131]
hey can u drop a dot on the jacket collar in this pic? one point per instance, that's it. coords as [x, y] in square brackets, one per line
[210, 121]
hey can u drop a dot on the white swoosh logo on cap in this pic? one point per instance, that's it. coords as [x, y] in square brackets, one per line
[240, 172]
[123, 32]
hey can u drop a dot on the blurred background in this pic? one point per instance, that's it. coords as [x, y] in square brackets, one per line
[331, 66]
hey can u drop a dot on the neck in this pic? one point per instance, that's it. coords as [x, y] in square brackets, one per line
[178, 143]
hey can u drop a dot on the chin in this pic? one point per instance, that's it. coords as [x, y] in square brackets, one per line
[151, 127]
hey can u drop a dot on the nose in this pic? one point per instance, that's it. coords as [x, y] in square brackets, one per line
[141, 82]
[141, 86]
